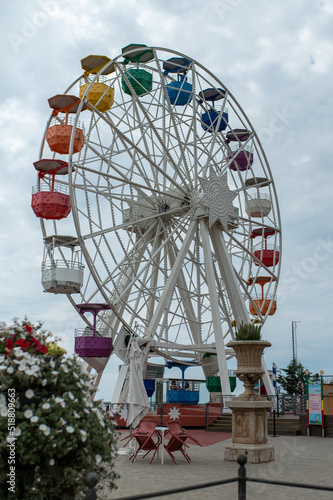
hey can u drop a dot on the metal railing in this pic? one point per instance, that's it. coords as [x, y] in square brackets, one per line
[91, 481]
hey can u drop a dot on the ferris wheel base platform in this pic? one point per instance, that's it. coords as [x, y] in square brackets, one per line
[189, 415]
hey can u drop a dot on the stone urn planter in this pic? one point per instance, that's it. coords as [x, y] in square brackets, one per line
[249, 370]
[249, 410]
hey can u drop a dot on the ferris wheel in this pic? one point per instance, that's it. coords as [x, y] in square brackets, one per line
[174, 227]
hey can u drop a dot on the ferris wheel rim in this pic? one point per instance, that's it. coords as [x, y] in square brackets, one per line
[81, 236]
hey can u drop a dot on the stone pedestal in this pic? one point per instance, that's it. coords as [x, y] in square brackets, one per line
[249, 430]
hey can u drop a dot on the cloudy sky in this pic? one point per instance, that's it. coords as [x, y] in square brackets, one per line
[277, 60]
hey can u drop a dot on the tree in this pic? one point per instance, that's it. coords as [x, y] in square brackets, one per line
[294, 373]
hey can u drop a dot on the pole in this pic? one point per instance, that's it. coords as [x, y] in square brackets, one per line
[307, 404]
[322, 407]
[242, 459]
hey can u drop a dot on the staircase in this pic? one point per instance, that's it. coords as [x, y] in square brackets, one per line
[221, 424]
[284, 426]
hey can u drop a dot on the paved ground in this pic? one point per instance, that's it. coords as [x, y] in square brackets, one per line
[300, 459]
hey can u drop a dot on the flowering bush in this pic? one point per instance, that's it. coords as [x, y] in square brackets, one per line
[59, 433]
[22, 335]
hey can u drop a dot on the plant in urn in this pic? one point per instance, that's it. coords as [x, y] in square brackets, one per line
[248, 347]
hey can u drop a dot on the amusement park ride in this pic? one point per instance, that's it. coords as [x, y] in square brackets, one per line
[158, 212]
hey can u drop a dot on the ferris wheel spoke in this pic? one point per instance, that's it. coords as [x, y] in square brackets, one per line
[154, 130]
[131, 144]
[122, 274]
[171, 281]
[251, 256]
[124, 175]
[148, 263]
[173, 129]
[216, 137]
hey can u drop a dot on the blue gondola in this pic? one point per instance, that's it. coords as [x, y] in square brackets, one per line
[210, 121]
[180, 92]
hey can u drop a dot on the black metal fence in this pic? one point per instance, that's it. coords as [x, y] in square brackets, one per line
[241, 479]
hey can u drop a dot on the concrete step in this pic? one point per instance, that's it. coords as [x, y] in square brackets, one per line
[283, 426]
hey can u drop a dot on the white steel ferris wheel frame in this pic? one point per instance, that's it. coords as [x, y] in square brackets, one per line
[161, 218]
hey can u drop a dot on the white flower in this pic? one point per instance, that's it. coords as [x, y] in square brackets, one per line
[76, 415]
[10, 369]
[60, 401]
[52, 363]
[34, 419]
[70, 429]
[52, 461]
[45, 429]
[84, 433]
[62, 421]
[18, 432]
[71, 396]
[44, 381]
[28, 413]
[98, 459]
[64, 368]
[2, 358]
[55, 373]
[4, 411]
[34, 368]
[46, 406]
[29, 393]
[28, 372]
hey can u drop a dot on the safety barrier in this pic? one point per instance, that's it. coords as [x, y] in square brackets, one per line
[242, 479]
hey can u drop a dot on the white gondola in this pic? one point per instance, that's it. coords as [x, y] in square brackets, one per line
[62, 268]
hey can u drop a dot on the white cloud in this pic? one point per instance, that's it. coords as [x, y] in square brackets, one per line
[275, 57]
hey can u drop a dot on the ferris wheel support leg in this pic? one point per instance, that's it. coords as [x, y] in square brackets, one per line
[97, 380]
[220, 349]
[185, 297]
[267, 381]
[238, 307]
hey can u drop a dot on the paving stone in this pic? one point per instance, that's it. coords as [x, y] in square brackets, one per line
[298, 459]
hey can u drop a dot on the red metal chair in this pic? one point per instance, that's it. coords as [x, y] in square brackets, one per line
[177, 440]
[175, 427]
[144, 439]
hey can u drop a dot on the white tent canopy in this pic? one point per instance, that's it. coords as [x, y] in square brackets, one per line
[138, 402]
